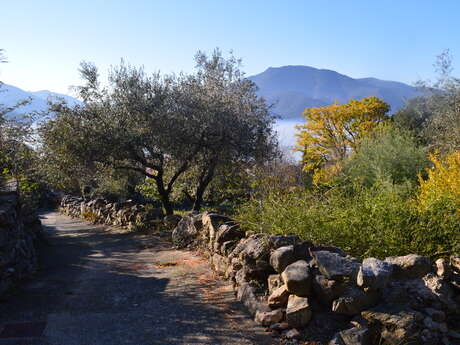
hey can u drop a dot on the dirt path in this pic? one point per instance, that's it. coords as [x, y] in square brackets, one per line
[103, 286]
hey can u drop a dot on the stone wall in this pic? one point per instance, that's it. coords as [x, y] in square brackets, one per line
[19, 232]
[298, 289]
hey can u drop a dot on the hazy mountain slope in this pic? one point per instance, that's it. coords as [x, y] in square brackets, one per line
[293, 88]
[11, 95]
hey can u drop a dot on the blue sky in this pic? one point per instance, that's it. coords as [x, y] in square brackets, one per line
[393, 40]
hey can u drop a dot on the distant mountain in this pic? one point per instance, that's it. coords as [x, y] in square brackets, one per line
[293, 88]
[11, 95]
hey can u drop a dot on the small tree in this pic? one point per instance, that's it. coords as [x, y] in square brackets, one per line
[331, 133]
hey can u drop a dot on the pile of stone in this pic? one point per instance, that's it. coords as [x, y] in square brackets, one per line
[287, 283]
[19, 231]
[100, 211]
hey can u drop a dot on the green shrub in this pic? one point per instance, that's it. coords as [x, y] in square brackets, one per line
[378, 221]
[388, 154]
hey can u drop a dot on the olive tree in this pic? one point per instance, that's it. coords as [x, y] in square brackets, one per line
[164, 125]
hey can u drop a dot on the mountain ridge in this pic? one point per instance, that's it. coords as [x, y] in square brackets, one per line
[292, 88]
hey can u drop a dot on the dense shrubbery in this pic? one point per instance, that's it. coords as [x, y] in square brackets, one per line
[379, 221]
[381, 195]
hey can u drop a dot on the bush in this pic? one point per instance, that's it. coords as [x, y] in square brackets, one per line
[378, 221]
[388, 154]
[442, 187]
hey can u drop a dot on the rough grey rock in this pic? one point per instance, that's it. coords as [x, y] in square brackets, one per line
[267, 318]
[374, 274]
[352, 336]
[409, 266]
[186, 231]
[335, 266]
[170, 221]
[277, 241]
[327, 290]
[355, 301]
[298, 311]
[302, 250]
[282, 257]
[258, 270]
[257, 248]
[396, 325]
[247, 295]
[279, 297]
[297, 278]
[229, 232]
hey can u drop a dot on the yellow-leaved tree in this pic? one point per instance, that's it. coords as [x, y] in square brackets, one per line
[332, 132]
[443, 182]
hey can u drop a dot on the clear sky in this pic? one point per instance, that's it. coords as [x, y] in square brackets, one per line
[395, 40]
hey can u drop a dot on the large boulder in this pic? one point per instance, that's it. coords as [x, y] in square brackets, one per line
[335, 266]
[297, 278]
[374, 274]
[298, 311]
[186, 230]
[409, 266]
[282, 257]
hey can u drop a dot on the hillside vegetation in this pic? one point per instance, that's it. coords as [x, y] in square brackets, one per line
[371, 183]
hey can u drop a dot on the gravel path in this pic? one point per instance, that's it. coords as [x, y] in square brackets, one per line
[103, 286]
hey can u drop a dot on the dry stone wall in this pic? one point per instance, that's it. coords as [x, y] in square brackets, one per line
[19, 233]
[300, 289]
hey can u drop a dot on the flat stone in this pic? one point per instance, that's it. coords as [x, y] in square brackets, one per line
[297, 278]
[410, 266]
[334, 266]
[279, 297]
[355, 301]
[282, 257]
[356, 336]
[298, 312]
[374, 273]
[267, 318]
